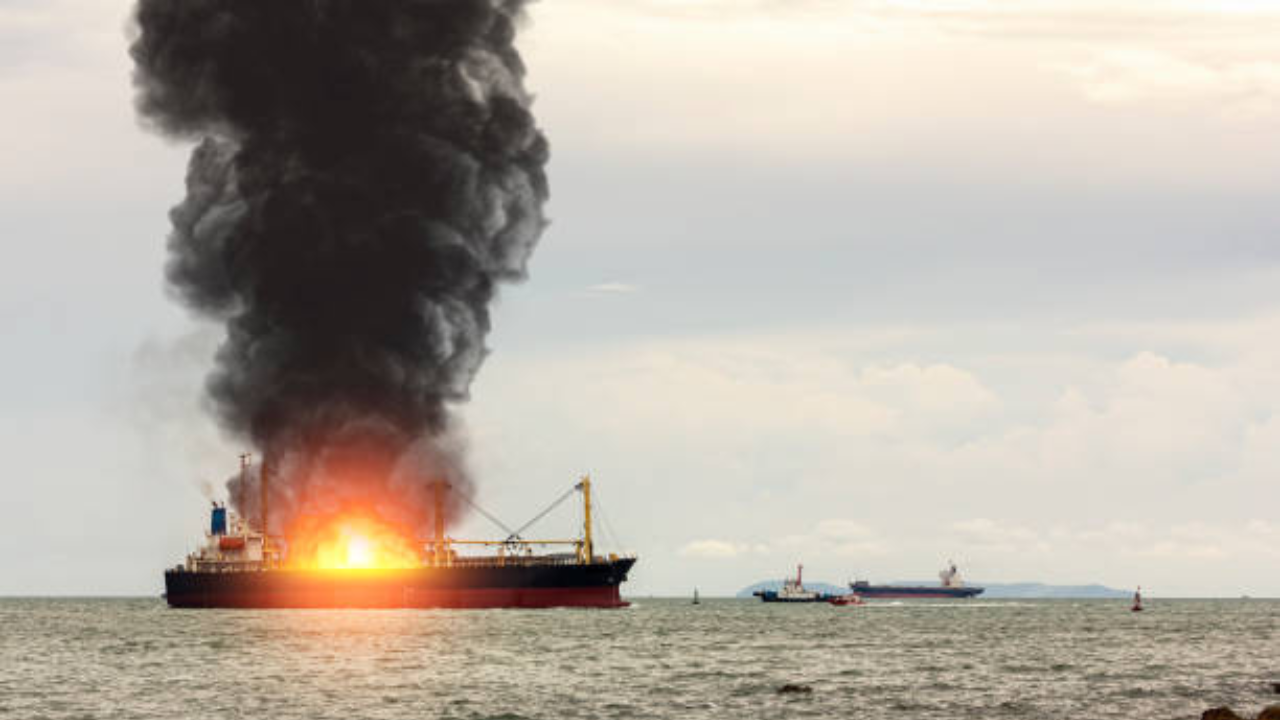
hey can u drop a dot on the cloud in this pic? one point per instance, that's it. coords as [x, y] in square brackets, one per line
[982, 535]
[1022, 453]
[1146, 423]
[1210, 541]
[59, 32]
[1239, 89]
[726, 389]
[718, 549]
[828, 538]
[937, 389]
[841, 538]
[1025, 19]
[842, 530]
[967, 7]
[614, 288]
[1192, 541]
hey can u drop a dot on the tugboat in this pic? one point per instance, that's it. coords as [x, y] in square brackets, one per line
[793, 591]
[1137, 600]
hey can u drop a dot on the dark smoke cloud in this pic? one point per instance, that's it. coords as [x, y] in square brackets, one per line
[367, 173]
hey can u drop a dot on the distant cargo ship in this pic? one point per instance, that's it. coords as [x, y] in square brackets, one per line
[951, 587]
[242, 567]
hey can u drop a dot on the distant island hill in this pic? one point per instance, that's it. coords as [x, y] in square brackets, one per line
[998, 591]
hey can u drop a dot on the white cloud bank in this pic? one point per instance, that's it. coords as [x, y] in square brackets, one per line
[1253, 542]
[1239, 89]
[1075, 463]
[832, 537]
[719, 549]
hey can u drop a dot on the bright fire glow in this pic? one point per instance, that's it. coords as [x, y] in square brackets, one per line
[352, 540]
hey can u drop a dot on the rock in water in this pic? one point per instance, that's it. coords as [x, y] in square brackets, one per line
[1271, 713]
[1220, 713]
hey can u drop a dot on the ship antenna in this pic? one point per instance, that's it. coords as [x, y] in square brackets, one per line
[244, 468]
[264, 480]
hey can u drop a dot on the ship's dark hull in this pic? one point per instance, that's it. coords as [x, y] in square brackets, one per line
[491, 586]
[886, 592]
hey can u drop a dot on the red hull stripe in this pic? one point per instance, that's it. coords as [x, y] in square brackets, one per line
[407, 597]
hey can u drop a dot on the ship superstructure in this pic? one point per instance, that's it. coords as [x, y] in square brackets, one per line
[241, 567]
[230, 545]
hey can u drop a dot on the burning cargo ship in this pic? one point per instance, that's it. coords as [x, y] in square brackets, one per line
[358, 561]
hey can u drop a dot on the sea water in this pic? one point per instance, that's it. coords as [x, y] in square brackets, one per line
[112, 658]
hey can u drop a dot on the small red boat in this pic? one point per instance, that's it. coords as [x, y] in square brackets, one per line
[850, 599]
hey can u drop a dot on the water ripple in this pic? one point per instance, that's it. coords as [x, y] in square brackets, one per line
[65, 659]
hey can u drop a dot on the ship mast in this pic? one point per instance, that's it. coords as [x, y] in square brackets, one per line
[264, 487]
[588, 548]
[438, 541]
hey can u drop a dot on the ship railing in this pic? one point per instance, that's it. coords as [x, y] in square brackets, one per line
[226, 566]
[233, 566]
[514, 561]
[530, 560]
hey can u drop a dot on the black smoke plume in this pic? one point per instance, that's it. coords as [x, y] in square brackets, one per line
[368, 172]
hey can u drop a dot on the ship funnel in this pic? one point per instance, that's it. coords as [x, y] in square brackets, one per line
[218, 520]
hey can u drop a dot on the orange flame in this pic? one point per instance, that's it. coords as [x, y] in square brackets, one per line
[351, 540]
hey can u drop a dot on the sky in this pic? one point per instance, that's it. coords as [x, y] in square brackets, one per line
[865, 285]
